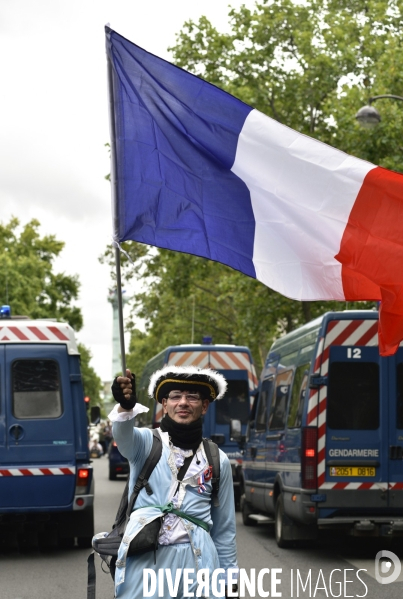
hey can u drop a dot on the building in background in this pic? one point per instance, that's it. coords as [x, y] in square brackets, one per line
[116, 362]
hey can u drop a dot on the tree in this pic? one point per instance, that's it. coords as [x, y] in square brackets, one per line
[92, 384]
[186, 294]
[310, 65]
[29, 285]
[27, 280]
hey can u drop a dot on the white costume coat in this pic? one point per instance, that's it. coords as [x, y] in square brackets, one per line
[213, 550]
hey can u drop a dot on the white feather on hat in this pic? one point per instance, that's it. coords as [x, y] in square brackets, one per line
[211, 377]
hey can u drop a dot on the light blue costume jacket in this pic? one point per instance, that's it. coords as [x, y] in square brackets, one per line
[213, 550]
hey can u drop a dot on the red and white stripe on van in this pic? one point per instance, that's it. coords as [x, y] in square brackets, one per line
[339, 332]
[38, 331]
[38, 471]
[217, 360]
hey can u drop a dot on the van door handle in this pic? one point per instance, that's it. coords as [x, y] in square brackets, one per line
[275, 437]
[396, 452]
[16, 431]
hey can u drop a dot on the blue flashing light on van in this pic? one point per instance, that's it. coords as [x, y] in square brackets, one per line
[5, 311]
[235, 363]
[45, 470]
[324, 445]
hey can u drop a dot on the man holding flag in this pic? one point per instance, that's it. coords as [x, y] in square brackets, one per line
[198, 534]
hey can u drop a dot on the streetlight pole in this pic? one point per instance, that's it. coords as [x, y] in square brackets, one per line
[368, 116]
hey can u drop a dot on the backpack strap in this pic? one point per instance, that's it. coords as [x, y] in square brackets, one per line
[91, 577]
[126, 507]
[149, 465]
[213, 457]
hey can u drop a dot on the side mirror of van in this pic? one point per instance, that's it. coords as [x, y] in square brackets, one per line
[236, 432]
[95, 415]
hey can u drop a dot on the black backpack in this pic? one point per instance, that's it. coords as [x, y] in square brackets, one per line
[107, 547]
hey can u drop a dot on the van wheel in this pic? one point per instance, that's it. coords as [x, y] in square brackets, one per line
[278, 524]
[112, 474]
[237, 501]
[246, 512]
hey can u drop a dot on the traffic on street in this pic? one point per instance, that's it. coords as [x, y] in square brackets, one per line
[325, 568]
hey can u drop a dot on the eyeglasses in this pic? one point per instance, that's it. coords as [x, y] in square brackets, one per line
[190, 397]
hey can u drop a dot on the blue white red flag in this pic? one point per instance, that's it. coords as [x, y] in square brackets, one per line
[200, 482]
[201, 488]
[198, 171]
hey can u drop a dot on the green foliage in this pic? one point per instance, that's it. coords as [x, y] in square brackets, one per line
[91, 382]
[310, 65]
[29, 285]
[27, 280]
[188, 298]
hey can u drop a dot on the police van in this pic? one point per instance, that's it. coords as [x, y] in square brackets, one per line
[46, 479]
[235, 363]
[324, 444]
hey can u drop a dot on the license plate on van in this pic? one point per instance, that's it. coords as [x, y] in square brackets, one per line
[352, 471]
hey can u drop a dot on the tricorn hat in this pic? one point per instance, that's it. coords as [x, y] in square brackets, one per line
[209, 383]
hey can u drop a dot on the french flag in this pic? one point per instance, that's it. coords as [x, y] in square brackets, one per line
[198, 171]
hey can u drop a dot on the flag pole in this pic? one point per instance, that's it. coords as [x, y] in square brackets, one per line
[120, 310]
[114, 195]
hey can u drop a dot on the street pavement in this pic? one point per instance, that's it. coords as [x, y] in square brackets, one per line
[324, 569]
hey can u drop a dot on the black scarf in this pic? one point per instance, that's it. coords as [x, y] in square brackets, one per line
[185, 436]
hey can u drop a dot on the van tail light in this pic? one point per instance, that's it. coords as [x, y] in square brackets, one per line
[309, 461]
[82, 480]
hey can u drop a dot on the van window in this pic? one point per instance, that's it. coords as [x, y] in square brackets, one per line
[36, 389]
[297, 396]
[353, 396]
[234, 404]
[279, 405]
[305, 350]
[264, 397]
[289, 359]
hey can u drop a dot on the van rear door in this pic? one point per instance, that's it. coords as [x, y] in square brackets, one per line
[395, 450]
[2, 409]
[38, 455]
[354, 419]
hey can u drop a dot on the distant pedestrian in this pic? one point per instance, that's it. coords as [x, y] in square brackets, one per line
[107, 435]
[101, 437]
[96, 450]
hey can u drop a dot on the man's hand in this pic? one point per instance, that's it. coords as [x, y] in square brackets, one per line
[124, 390]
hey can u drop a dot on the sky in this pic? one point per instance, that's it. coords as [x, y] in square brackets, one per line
[54, 127]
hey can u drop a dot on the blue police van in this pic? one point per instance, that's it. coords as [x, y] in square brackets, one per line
[324, 444]
[46, 479]
[235, 363]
